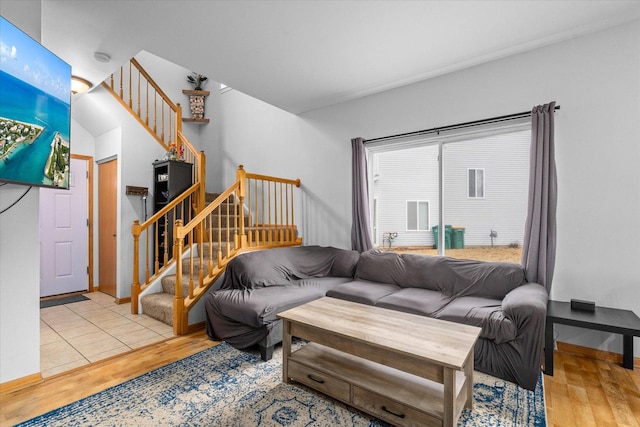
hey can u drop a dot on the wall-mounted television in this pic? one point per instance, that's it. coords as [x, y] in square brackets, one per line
[35, 111]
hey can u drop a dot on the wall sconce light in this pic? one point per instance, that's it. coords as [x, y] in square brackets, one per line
[79, 85]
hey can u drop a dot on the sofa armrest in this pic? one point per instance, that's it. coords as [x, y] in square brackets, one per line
[525, 304]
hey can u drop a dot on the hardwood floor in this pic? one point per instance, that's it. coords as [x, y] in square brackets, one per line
[586, 391]
[583, 391]
[65, 388]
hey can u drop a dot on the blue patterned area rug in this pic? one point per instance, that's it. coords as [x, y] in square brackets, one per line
[225, 387]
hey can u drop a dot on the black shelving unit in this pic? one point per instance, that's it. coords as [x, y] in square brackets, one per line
[170, 179]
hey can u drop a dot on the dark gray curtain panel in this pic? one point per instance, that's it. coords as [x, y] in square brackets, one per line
[360, 227]
[539, 248]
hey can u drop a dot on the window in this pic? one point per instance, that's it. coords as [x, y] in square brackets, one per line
[417, 215]
[476, 183]
[445, 180]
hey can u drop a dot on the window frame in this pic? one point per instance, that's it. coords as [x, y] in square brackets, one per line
[417, 215]
[475, 187]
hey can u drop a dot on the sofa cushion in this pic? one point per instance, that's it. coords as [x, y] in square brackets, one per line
[275, 267]
[257, 307]
[485, 313]
[323, 284]
[362, 291]
[416, 301]
[405, 270]
[344, 263]
[482, 278]
[451, 276]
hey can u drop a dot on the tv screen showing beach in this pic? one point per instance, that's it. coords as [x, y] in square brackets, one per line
[35, 111]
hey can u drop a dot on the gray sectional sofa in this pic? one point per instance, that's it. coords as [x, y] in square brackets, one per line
[494, 296]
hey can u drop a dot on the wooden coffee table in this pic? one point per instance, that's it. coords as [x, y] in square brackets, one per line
[406, 369]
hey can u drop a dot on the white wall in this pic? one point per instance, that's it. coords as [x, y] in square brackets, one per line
[19, 283]
[20, 251]
[270, 141]
[595, 79]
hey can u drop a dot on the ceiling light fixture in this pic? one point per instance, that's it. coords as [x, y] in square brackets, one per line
[101, 57]
[79, 85]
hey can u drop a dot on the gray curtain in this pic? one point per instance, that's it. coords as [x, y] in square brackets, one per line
[539, 248]
[360, 228]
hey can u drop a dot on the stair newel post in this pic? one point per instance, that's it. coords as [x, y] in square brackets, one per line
[201, 194]
[241, 177]
[178, 301]
[135, 286]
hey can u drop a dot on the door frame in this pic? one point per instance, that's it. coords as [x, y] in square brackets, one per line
[89, 160]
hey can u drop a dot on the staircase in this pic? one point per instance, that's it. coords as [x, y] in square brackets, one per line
[159, 305]
[256, 212]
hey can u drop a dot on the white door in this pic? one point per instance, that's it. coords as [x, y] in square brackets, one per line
[63, 235]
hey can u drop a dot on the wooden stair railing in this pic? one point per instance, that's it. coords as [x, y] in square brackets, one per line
[139, 94]
[256, 212]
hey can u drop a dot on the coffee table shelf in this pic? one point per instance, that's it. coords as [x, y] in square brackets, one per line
[371, 386]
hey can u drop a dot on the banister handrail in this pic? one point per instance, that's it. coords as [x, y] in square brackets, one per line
[295, 182]
[186, 228]
[150, 106]
[154, 84]
[172, 204]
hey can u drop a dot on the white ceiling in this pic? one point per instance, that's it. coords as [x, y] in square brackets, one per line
[303, 55]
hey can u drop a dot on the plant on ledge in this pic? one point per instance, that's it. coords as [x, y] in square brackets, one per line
[196, 80]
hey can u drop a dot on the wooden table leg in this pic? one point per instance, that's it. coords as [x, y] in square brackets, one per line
[449, 383]
[286, 350]
[468, 372]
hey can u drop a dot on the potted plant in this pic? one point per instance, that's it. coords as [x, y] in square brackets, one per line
[196, 80]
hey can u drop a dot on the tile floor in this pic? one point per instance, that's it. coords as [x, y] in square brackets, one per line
[80, 333]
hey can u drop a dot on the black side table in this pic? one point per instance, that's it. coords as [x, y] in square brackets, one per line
[613, 320]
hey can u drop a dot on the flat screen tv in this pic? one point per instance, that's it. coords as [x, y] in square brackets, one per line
[35, 111]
